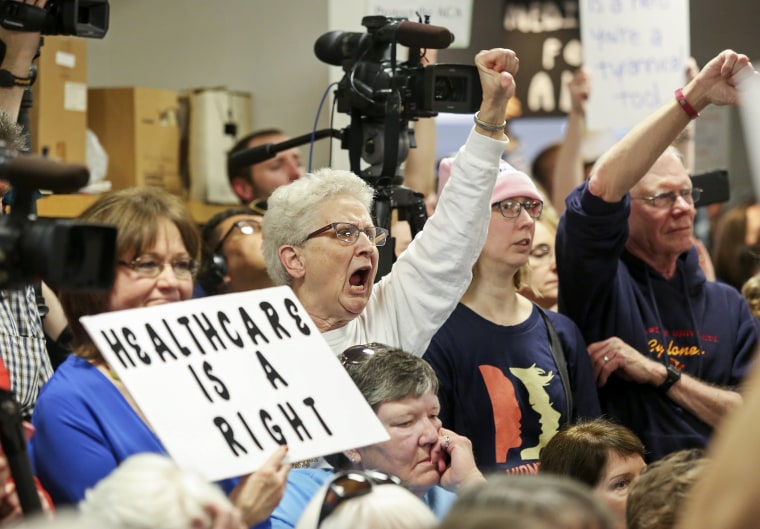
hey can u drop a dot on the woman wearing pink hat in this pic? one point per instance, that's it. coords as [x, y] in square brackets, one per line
[510, 374]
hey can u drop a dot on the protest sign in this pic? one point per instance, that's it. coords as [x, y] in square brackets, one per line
[224, 380]
[455, 15]
[547, 41]
[637, 52]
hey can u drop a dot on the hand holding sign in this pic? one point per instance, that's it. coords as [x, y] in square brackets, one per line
[248, 372]
[257, 494]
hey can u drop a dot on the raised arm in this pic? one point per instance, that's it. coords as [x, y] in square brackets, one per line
[568, 168]
[496, 68]
[626, 163]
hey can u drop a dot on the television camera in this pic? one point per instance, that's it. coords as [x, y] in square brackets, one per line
[80, 18]
[381, 95]
[62, 252]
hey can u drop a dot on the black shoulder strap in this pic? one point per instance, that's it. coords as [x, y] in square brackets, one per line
[559, 359]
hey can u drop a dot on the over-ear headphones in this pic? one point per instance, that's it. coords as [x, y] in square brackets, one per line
[213, 268]
[212, 274]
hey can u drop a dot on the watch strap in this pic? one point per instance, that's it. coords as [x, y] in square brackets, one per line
[674, 375]
[8, 80]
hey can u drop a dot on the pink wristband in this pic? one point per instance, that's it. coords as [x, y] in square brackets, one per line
[693, 114]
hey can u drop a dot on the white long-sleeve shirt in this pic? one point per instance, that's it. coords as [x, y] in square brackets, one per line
[415, 298]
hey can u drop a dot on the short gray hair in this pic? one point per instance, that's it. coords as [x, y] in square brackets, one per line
[392, 375]
[291, 212]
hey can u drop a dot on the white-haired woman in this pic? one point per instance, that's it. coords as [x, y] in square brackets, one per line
[320, 238]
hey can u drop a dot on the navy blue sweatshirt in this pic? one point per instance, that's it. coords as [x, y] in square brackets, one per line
[704, 328]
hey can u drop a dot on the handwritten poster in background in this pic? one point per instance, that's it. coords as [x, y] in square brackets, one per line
[456, 15]
[546, 37]
[224, 380]
[637, 52]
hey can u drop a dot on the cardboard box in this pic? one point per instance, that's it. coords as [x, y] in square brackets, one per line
[138, 129]
[58, 117]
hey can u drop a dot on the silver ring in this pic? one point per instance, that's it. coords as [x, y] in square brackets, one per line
[606, 358]
[446, 441]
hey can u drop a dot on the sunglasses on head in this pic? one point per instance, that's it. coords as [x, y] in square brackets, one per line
[357, 354]
[351, 484]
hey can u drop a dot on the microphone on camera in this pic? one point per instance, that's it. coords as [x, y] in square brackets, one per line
[419, 35]
[46, 174]
[252, 156]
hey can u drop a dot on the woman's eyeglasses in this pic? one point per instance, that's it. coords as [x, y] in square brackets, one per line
[245, 226]
[351, 484]
[349, 233]
[152, 268]
[511, 208]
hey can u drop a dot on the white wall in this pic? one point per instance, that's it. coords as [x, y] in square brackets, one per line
[264, 47]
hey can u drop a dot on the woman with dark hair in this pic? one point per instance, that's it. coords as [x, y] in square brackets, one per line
[605, 456]
[736, 244]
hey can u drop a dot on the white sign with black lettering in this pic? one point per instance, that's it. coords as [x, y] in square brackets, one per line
[224, 380]
[637, 52]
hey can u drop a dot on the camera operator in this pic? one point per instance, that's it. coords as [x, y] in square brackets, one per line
[22, 340]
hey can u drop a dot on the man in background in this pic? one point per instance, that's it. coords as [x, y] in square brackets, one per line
[254, 183]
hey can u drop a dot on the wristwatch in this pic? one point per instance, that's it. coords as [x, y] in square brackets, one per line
[674, 375]
[8, 80]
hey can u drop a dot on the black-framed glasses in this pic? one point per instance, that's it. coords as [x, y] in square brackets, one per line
[244, 226]
[668, 200]
[152, 268]
[349, 233]
[358, 354]
[511, 208]
[352, 484]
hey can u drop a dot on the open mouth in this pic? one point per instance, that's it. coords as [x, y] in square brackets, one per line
[359, 279]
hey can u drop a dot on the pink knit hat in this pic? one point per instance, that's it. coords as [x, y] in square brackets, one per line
[509, 183]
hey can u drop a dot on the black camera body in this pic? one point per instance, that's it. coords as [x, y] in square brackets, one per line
[373, 74]
[79, 18]
[62, 252]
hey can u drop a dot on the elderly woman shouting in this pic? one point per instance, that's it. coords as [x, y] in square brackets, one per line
[319, 238]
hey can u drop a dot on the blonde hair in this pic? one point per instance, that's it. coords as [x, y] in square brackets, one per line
[751, 292]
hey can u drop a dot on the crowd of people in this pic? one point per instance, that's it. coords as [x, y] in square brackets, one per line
[551, 355]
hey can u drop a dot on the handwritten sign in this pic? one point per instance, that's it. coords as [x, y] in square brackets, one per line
[224, 380]
[455, 15]
[637, 52]
[547, 40]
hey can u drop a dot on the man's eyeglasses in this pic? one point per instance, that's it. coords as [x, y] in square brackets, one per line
[668, 200]
[349, 233]
[151, 268]
[357, 354]
[245, 226]
[352, 484]
[511, 208]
